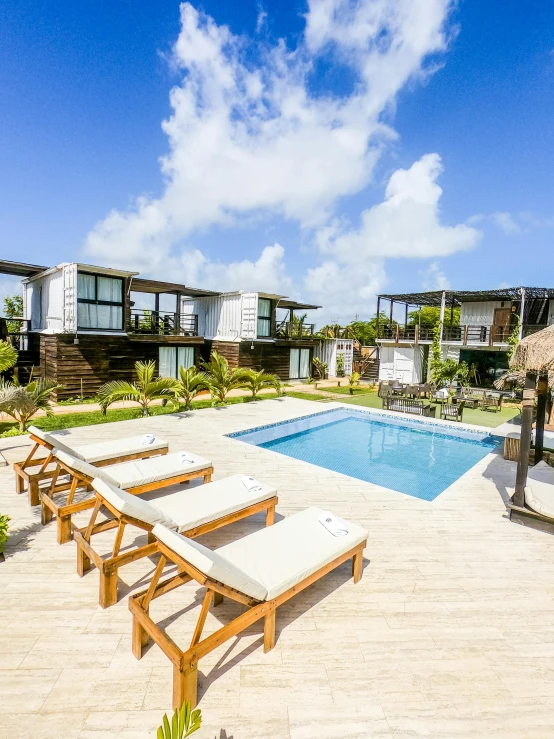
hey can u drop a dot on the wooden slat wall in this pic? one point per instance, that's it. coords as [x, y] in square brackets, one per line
[85, 366]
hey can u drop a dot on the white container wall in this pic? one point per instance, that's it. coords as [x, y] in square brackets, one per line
[402, 363]
[229, 317]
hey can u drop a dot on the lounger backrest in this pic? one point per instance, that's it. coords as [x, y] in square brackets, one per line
[84, 468]
[131, 505]
[53, 441]
[210, 563]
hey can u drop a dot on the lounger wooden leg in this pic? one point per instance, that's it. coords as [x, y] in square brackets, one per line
[45, 514]
[270, 516]
[65, 533]
[185, 685]
[33, 493]
[269, 630]
[357, 561]
[108, 587]
[208, 477]
[151, 538]
[83, 562]
[19, 483]
[140, 638]
[218, 599]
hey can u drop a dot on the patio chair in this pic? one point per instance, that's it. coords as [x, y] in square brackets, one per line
[452, 411]
[409, 405]
[261, 571]
[99, 455]
[491, 403]
[384, 389]
[190, 511]
[136, 477]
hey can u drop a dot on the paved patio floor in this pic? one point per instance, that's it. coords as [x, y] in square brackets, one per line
[450, 633]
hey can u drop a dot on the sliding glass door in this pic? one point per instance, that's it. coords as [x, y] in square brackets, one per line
[299, 368]
[173, 357]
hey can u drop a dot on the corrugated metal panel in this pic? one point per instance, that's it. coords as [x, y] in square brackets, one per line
[478, 314]
[219, 317]
[327, 352]
[70, 298]
[249, 316]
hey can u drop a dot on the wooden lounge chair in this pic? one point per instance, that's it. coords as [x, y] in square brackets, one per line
[452, 411]
[137, 477]
[409, 405]
[99, 455]
[539, 496]
[261, 571]
[191, 511]
[491, 403]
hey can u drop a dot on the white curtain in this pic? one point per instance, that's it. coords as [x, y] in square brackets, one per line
[264, 317]
[110, 290]
[294, 366]
[86, 286]
[167, 361]
[185, 357]
[304, 363]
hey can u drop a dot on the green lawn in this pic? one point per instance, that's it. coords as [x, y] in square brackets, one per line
[345, 390]
[72, 420]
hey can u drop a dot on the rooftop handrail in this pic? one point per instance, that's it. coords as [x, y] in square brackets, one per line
[162, 323]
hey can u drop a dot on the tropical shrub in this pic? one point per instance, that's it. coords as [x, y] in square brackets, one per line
[256, 381]
[8, 356]
[183, 723]
[13, 308]
[146, 389]
[190, 384]
[353, 380]
[4, 526]
[320, 367]
[220, 379]
[340, 365]
[22, 403]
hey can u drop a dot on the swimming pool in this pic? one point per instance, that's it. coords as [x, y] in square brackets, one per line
[414, 457]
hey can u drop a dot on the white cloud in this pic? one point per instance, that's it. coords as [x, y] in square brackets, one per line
[514, 224]
[247, 138]
[433, 278]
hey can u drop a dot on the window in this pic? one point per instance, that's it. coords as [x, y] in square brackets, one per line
[264, 317]
[99, 302]
[299, 368]
[172, 357]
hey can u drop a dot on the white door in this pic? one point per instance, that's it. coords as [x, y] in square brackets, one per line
[170, 358]
[299, 367]
[403, 364]
[386, 363]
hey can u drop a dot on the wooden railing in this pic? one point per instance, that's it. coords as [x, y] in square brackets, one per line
[464, 334]
[294, 330]
[163, 324]
[18, 337]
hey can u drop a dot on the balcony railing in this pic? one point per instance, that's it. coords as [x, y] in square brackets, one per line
[463, 335]
[15, 331]
[294, 330]
[163, 324]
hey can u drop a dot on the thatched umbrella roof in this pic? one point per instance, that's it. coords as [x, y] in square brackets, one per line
[535, 353]
[517, 377]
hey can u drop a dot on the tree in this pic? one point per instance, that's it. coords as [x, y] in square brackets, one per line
[435, 359]
[190, 384]
[13, 308]
[22, 403]
[353, 380]
[8, 356]
[428, 316]
[144, 391]
[221, 379]
[366, 331]
[256, 381]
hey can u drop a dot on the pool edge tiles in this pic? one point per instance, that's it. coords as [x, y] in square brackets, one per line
[373, 447]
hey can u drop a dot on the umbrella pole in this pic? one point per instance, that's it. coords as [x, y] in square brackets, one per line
[525, 439]
[542, 397]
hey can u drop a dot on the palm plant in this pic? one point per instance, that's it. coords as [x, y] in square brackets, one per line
[353, 380]
[220, 379]
[146, 389]
[190, 384]
[22, 403]
[8, 356]
[183, 723]
[256, 381]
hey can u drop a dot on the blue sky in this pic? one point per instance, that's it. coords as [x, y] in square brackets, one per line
[308, 167]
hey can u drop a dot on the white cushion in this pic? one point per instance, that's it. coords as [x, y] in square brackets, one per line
[193, 506]
[155, 469]
[271, 560]
[51, 440]
[285, 554]
[104, 450]
[539, 490]
[132, 505]
[84, 467]
[210, 563]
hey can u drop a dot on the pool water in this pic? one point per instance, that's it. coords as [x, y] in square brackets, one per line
[413, 457]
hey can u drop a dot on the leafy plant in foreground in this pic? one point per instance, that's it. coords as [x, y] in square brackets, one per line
[183, 723]
[256, 381]
[190, 384]
[146, 389]
[22, 403]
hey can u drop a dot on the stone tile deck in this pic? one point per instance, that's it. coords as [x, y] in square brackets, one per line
[450, 633]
